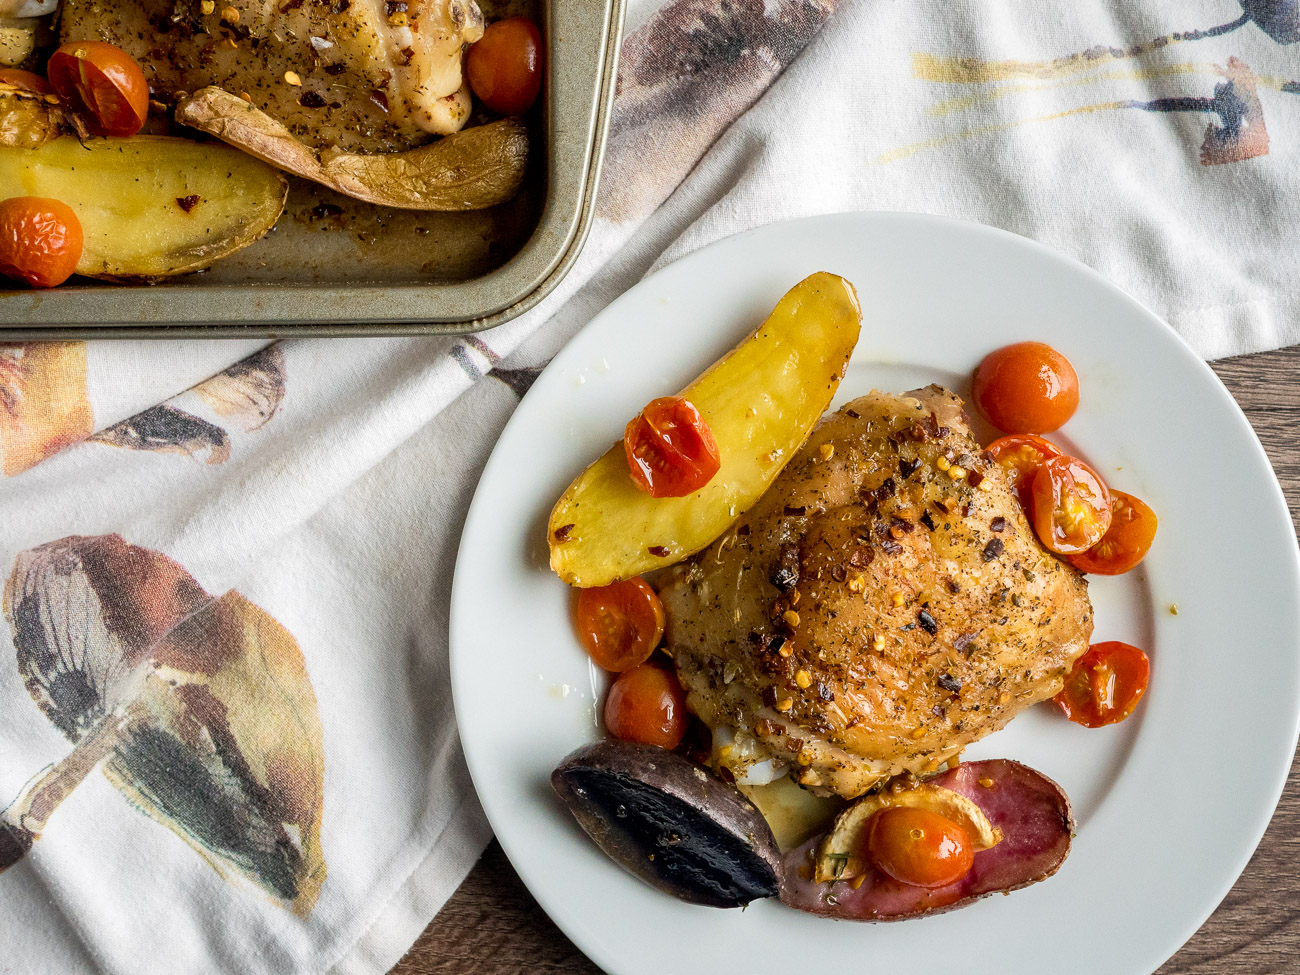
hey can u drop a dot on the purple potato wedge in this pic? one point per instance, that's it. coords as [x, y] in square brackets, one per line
[671, 822]
[1032, 811]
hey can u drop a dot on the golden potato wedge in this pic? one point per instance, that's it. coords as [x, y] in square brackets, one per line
[840, 856]
[28, 119]
[17, 39]
[150, 206]
[468, 170]
[761, 400]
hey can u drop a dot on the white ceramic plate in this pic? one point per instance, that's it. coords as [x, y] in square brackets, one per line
[1170, 804]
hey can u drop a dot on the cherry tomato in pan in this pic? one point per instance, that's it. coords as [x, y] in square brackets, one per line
[1126, 542]
[919, 847]
[647, 705]
[103, 80]
[504, 66]
[40, 240]
[1020, 455]
[670, 449]
[27, 80]
[620, 624]
[1028, 387]
[1105, 685]
[1069, 506]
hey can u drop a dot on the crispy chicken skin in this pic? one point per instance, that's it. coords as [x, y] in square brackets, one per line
[883, 605]
[357, 75]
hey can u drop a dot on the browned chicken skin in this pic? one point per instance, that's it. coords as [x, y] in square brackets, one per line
[358, 75]
[883, 605]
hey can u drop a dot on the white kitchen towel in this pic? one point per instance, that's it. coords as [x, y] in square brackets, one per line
[223, 658]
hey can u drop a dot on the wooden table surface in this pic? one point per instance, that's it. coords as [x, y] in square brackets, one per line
[492, 926]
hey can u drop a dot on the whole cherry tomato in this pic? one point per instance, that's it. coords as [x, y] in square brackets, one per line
[105, 81]
[1028, 387]
[504, 66]
[26, 80]
[1069, 506]
[620, 624]
[919, 847]
[1105, 684]
[1126, 542]
[40, 240]
[670, 449]
[647, 705]
[1020, 455]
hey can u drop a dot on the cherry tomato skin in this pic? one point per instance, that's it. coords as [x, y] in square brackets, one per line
[40, 240]
[1020, 455]
[1126, 542]
[620, 624]
[105, 81]
[670, 449]
[919, 847]
[27, 80]
[1105, 684]
[504, 66]
[1028, 387]
[1069, 506]
[647, 705]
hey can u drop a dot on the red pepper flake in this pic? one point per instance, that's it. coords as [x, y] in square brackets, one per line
[974, 478]
[563, 532]
[906, 468]
[311, 99]
[998, 523]
[658, 551]
[188, 203]
[949, 683]
[380, 99]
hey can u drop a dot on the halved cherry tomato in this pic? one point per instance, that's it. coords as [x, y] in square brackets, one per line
[40, 240]
[1020, 455]
[105, 81]
[1126, 542]
[27, 80]
[670, 449]
[1105, 685]
[504, 67]
[647, 705]
[1069, 506]
[620, 624]
[1028, 387]
[919, 847]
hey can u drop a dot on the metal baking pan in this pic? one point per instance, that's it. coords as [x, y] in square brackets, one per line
[335, 266]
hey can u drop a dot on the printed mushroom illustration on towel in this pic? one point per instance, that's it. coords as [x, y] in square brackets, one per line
[198, 709]
[44, 406]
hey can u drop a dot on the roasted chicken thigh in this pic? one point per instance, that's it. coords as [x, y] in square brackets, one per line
[883, 605]
[357, 75]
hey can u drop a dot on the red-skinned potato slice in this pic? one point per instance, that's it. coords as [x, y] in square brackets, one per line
[1030, 809]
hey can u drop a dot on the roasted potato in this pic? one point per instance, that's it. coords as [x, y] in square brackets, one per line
[17, 38]
[760, 401]
[150, 207]
[468, 170]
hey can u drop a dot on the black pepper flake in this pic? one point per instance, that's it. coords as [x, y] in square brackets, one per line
[322, 210]
[998, 523]
[886, 490]
[563, 532]
[993, 549]
[949, 683]
[290, 5]
[742, 530]
[334, 69]
[775, 644]
[853, 413]
[928, 622]
[906, 468]
[339, 6]
[658, 551]
[395, 7]
[839, 573]
[188, 203]
[311, 99]
[794, 512]
[785, 574]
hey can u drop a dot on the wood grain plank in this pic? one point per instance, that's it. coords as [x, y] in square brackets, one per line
[492, 926]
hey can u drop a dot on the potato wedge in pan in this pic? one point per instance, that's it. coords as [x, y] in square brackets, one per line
[150, 207]
[468, 170]
[760, 401]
